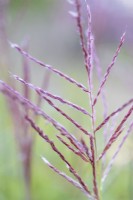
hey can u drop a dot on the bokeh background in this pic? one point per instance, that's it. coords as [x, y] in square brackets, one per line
[53, 38]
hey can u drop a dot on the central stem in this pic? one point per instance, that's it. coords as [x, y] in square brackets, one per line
[94, 150]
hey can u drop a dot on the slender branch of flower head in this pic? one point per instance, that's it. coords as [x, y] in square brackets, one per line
[81, 155]
[114, 113]
[55, 149]
[89, 45]
[64, 114]
[80, 30]
[109, 68]
[86, 149]
[63, 101]
[7, 90]
[68, 178]
[108, 168]
[49, 67]
[40, 91]
[113, 125]
[117, 132]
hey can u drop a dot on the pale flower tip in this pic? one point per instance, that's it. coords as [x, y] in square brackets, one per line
[14, 76]
[12, 45]
[73, 14]
[67, 167]
[125, 33]
[123, 36]
[45, 160]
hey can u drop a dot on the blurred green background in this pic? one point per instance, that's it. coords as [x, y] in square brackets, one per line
[53, 38]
